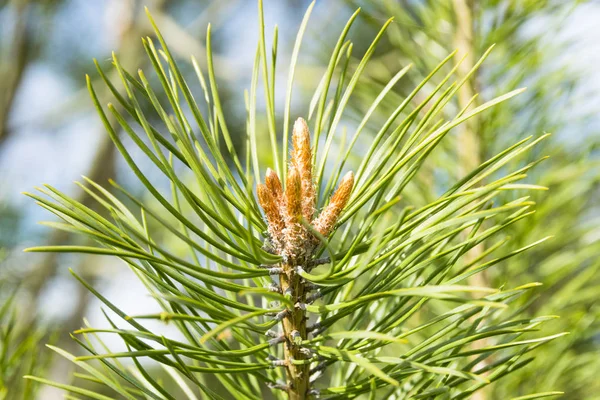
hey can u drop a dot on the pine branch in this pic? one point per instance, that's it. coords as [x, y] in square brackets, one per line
[357, 264]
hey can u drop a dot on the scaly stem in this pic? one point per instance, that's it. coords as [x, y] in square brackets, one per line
[294, 329]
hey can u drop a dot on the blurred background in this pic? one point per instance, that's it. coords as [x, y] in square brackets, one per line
[50, 134]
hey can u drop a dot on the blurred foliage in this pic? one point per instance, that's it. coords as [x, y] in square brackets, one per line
[528, 44]
[22, 341]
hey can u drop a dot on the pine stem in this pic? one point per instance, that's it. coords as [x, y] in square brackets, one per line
[294, 328]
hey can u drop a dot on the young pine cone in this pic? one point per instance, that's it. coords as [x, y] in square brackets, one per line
[285, 210]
